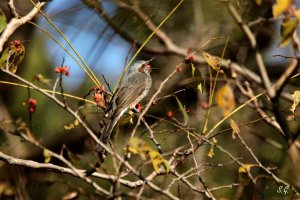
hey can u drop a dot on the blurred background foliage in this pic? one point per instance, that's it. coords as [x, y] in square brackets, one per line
[106, 52]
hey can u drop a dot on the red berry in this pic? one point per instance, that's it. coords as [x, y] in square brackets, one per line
[139, 107]
[170, 113]
[100, 104]
[32, 105]
[17, 42]
[97, 97]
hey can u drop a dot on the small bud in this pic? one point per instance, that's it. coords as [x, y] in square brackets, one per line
[154, 102]
[94, 88]
[179, 69]
[102, 88]
[204, 105]
[189, 58]
[100, 104]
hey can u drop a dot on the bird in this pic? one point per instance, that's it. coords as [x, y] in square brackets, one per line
[133, 87]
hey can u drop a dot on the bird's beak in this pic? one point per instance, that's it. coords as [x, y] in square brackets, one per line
[148, 67]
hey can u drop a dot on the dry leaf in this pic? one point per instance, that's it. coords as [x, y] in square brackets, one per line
[280, 6]
[258, 2]
[71, 195]
[7, 190]
[211, 152]
[243, 176]
[287, 29]
[225, 99]
[235, 128]
[12, 56]
[41, 78]
[212, 61]
[138, 146]
[296, 98]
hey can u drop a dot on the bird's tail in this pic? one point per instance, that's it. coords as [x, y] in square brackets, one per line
[105, 135]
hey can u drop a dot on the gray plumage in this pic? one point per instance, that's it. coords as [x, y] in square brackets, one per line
[133, 87]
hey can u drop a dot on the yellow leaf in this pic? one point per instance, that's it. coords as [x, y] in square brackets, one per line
[225, 99]
[76, 122]
[243, 176]
[138, 146]
[296, 98]
[235, 128]
[193, 69]
[71, 125]
[158, 161]
[258, 2]
[131, 117]
[47, 156]
[199, 87]
[280, 6]
[297, 14]
[212, 61]
[7, 190]
[287, 29]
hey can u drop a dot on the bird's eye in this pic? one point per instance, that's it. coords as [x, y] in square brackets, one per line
[141, 69]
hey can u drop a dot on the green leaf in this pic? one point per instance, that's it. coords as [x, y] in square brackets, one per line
[3, 21]
[183, 111]
[199, 87]
[287, 29]
[47, 156]
[193, 69]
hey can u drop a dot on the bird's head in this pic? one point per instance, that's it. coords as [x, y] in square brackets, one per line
[141, 66]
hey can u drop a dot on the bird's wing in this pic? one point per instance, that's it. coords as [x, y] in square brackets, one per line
[128, 94]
